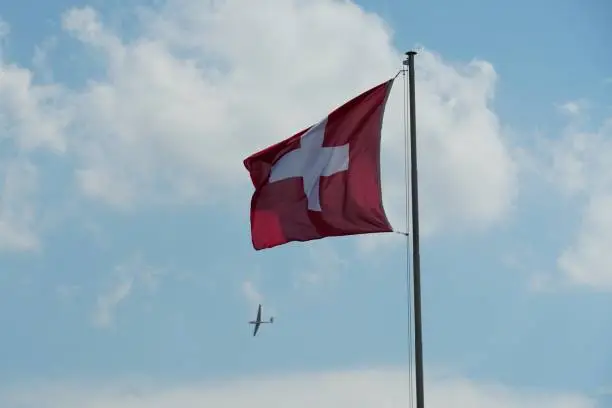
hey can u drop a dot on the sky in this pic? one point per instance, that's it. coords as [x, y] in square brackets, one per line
[127, 274]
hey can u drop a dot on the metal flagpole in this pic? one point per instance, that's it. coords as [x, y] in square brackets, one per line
[416, 258]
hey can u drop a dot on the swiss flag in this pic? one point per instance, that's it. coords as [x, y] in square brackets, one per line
[323, 181]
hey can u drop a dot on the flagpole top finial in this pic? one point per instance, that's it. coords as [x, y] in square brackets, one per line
[409, 54]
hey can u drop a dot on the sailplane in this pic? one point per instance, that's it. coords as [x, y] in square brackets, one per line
[257, 322]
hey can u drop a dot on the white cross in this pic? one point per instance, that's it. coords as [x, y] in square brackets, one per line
[311, 162]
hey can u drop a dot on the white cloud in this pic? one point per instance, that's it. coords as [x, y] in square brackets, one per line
[125, 276]
[325, 266]
[183, 124]
[252, 293]
[40, 59]
[108, 302]
[580, 164]
[29, 120]
[467, 175]
[572, 108]
[195, 91]
[354, 389]
[31, 116]
[588, 260]
[17, 214]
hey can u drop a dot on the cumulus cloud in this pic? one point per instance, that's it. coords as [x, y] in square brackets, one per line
[354, 389]
[468, 175]
[587, 261]
[18, 215]
[30, 120]
[580, 164]
[174, 120]
[31, 116]
[180, 125]
[194, 91]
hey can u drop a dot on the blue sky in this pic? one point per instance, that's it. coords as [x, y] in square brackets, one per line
[124, 238]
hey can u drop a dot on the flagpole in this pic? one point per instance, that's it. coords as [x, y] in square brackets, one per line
[416, 256]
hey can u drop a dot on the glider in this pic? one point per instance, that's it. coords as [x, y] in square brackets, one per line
[258, 321]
